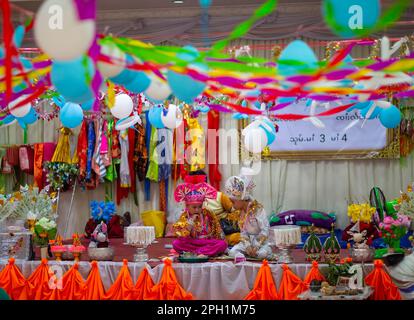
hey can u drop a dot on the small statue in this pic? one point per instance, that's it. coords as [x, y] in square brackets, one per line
[99, 237]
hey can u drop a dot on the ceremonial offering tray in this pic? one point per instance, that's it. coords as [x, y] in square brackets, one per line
[139, 237]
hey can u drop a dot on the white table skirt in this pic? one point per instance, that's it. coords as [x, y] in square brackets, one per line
[206, 281]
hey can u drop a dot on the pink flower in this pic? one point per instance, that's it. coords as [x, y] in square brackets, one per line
[388, 220]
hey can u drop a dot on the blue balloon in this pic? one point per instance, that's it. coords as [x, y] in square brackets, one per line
[154, 116]
[18, 36]
[184, 87]
[139, 84]
[297, 50]
[69, 79]
[239, 116]
[59, 101]
[374, 114]
[257, 104]
[390, 117]
[244, 103]
[271, 134]
[88, 105]
[352, 15]
[71, 115]
[126, 76]
[8, 119]
[31, 117]
[253, 93]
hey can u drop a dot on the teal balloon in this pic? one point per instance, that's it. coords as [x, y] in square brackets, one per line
[126, 76]
[374, 114]
[154, 117]
[21, 123]
[271, 134]
[18, 36]
[31, 117]
[205, 3]
[390, 117]
[299, 51]
[88, 105]
[352, 16]
[71, 115]
[184, 87]
[8, 119]
[244, 103]
[69, 79]
[139, 84]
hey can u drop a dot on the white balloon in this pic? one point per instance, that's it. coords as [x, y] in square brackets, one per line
[21, 111]
[127, 122]
[159, 89]
[173, 118]
[59, 32]
[255, 140]
[117, 56]
[123, 106]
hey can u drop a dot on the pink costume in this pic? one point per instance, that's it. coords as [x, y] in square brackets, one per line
[200, 233]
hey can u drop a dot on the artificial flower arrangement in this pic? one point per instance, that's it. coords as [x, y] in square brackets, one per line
[361, 212]
[406, 202]
[102, 211]
[392, 229]
[29, 203]
[61, 175]
[45, 230]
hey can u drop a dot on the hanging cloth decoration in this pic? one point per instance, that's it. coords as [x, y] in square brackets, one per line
[168, 288]
[131, 151]
[213, 167]
[13, 281]
[123, 287]
[380, 281]
[91, 148]
[38, 282]
[143, 286]
[152, 173]
[291, 285]
[264, 286]
[148, 131]
[98, 163]
[94, 289]
[82, 148]
[73, 284]
[62, 152]
[313, 274]
[124, 168]
[43, 152]
[113, 147]
[197, 146]
[140, 154]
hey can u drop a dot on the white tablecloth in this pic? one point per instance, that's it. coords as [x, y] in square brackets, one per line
[206, 281]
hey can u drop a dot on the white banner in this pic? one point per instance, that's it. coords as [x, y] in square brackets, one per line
[347, 131]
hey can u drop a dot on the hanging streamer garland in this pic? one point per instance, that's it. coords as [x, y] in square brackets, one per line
[228, 75]
[39, 106]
